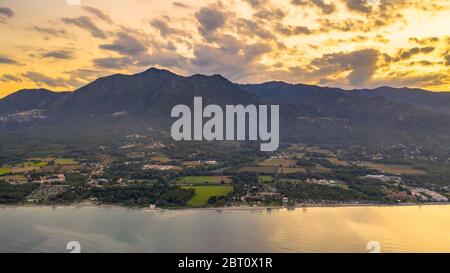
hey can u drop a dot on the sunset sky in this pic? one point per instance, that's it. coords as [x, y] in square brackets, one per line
[344, 43]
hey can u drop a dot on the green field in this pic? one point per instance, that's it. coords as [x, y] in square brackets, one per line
[65, 161]
[31, 164]
[4, 171]
[265, 179]
[203, 193]
[195, 180]
[396, 169]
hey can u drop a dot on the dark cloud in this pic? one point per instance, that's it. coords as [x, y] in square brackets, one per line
[424, 41]
[165, 58]
[422, 63]
[405, 54]
[180, 5]
[362, 65]
[86, 23]
[162, 26]
[252, 28]
[39, 79]
[82, 76]
[292, 30]
[325, 8]
[345, 25]
[125, 44]
[354, 39]
[270, 14]
[10, 78]
[256, 3]
[164, 29]
[210, 19]
[254, 51]
[380, 38]
[113, 63]
[367, 15]
[59, 54]
[413, 79]
[85, 74]
[7, 60]
[6, 12]
[236, 62]
[361, 6]
[49, 31]
[98, 13]
[447, 60]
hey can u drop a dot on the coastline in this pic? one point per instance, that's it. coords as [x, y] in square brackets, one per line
[221, 209]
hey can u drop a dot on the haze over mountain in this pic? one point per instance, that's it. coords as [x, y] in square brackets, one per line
[310, 114]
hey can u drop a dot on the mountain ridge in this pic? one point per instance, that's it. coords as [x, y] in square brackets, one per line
[308, 113]
[155, 72]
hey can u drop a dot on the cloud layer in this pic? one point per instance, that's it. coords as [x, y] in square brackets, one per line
[345, 43]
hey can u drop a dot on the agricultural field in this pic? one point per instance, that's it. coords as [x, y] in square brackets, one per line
[291, 180]
[296, 147]
[201, 180]
[338, 162]
[277, 163]
[70, 168]
[298, 155]
[265, 179]
[31, 164]
[255, 169]
[293, 170]
[317, 150]
[162, 158]
[320, 169]
[16, 170]
[396, 169]
[4, 171]
[203, 193]
[65, 161]
[13, 178]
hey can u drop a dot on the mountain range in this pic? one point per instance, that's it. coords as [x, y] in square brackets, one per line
[309, 114]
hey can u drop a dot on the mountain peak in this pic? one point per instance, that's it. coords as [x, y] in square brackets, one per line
[37, 90]
[158, 72]
[216, 77]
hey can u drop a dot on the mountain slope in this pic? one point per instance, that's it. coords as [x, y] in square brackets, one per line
[431, 101]
[339, 116]
[308, 114]
[151, 92]
[28, 99]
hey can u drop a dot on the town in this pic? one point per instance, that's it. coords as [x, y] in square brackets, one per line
[149, 169]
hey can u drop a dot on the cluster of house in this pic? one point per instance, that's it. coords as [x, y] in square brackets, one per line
[425, 195]
[384, 178]
[158, 167]
[260, 197]
[326, 182]
[52, 179]
[97, 182]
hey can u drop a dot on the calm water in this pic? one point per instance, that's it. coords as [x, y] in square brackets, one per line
[115, 229]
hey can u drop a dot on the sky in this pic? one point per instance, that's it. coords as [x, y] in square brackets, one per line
[62, 45]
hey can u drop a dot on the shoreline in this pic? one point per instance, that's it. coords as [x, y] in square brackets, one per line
[221, 209]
